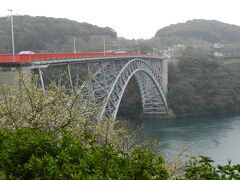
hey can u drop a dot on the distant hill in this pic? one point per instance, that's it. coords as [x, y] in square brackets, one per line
[42, 34]
[198, 32]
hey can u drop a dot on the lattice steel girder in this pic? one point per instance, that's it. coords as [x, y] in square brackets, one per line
[108, 80]
[150, 89]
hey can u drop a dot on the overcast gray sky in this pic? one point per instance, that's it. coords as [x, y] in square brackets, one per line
[130, 18]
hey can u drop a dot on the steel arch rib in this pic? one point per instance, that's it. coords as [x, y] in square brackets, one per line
[137, 65]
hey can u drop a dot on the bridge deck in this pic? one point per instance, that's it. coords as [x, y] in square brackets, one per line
[28, 58]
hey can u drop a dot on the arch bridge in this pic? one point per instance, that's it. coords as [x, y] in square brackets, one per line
[109, 75]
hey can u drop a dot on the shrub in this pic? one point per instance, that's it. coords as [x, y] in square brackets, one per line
[57, 108]
[29, 153]
[203, 168]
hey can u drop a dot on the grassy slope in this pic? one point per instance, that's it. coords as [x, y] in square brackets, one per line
[233, 63]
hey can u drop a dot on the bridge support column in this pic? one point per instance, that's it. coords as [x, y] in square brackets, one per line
[165, 75]
[70, 77]
[41, 78]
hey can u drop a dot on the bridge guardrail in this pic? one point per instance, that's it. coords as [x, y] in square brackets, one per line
[26, 58]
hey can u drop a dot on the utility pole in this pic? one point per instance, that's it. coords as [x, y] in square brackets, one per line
[118, 45]
[74, 45]
[104, 46]
[138, 47]
[13, 48]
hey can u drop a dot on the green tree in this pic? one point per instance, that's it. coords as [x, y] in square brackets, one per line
[201, 85]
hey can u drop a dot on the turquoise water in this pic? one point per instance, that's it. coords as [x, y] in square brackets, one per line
[217, 137]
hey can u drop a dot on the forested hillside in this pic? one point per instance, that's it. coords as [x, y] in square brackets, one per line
[202, 85]
[42, 34]
[198, 32]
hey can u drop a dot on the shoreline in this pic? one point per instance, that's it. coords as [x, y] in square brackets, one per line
[172, 115]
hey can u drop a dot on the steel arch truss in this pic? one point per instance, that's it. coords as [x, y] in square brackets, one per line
[152, 94]
[108, 81]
